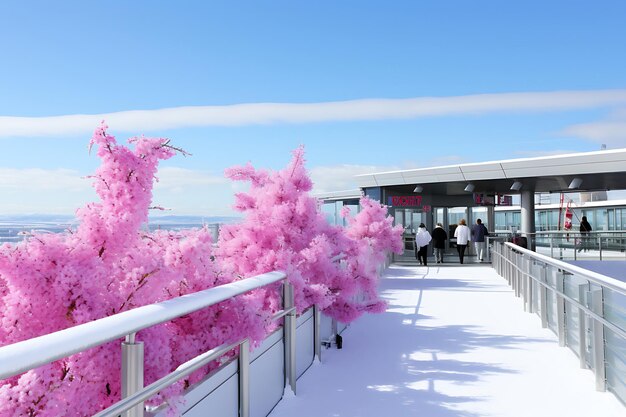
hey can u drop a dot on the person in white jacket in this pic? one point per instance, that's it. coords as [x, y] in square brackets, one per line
[422, 239]
[462, 235]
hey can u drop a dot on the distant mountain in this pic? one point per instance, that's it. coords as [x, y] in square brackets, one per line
[68, 219]
[173, 219]
[37, 218]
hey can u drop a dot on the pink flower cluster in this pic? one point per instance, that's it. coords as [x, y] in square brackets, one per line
[110, 264]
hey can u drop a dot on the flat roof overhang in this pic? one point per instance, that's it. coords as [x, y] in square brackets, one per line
[599, 170]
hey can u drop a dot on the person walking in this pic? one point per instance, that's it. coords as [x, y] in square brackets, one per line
[462, 235]
[422, 239]
[439, 242]
[479, 231]
[585, 228]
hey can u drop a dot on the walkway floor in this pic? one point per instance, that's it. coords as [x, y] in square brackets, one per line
[454, 342]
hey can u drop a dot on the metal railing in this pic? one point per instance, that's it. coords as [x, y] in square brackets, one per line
[600, 245]
[573, 245]
[586, 310]
[29, 354]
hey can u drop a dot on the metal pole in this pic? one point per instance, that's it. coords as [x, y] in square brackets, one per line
[516, 274]
[600, 245]
[529, 285]
[132, 372]
[551, 246]
[317, 342]
[244, 379]
[560, 309]
[582, 328]
[543, 295]
[290, 336]
[598, 341]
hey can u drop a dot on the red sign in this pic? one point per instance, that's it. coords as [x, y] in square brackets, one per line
[505, 200]
[484, 199]
[405, 201]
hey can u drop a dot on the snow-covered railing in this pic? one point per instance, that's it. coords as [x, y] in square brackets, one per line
[29, 354]
[585, 309]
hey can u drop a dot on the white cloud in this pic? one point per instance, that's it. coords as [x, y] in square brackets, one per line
[36, 179]
[611, 131]
[535, 154]
[62, 191]
[33, 190]
[341, 177]
[176, 179]
[274, 113]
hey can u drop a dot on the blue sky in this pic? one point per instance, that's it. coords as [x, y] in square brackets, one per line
[365, 86]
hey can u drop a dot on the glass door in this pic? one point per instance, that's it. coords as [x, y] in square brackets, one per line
[455, 214]
[410, 219]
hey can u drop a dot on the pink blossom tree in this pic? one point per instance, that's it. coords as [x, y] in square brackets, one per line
[284, 229]
[105, 266]
[111, 264]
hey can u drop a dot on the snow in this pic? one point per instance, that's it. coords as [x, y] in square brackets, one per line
[613, 269]
[454, 342]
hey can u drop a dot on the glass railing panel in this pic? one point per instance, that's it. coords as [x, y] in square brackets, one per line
[615, 349]
[615, 308]
[615, 359]
[572, 288]
[536, 272]
[552, 276]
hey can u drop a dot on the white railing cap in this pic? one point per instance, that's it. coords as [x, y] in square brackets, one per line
[603, 280]
[29, 354]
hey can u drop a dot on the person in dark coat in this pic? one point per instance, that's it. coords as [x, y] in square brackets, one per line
[479, 231]
[439, 242]
[585, 228]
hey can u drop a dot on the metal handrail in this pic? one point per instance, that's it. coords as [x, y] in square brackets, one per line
[23, 356]
[588, 324]
[566, 232]
[574, 230]
[572, 300]
[180, 372]
[602, 280]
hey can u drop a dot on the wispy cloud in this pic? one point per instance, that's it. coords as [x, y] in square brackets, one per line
[35, 179]
[62, 191]
[276, 113]
[341, 177]
[611, 131]
[178, 179]
[536, 153]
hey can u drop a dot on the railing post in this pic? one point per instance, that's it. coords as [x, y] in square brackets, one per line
[317, 341]
[516, 275]
[598, 340]
[582, 327]
[529, 284]
[543, 297]
[551, 246]
[244, 378]
[600, 245]
[289, 329]
[132, 372]
[560, 309]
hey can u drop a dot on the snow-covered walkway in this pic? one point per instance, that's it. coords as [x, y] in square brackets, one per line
[454, 342]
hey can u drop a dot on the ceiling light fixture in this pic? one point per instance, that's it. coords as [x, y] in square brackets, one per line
[418, 189]
[576, 183]
[517, 185]
[470, 188]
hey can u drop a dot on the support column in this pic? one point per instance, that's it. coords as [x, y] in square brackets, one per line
[491, 219]
[528, 216]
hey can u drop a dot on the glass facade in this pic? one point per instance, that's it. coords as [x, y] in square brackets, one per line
[601, 219]
[332, 210]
